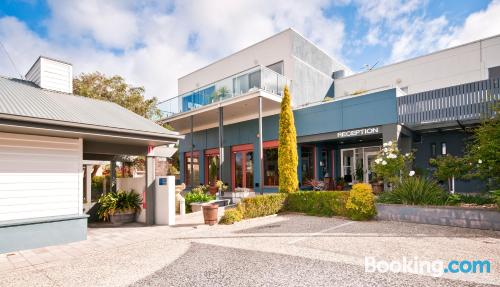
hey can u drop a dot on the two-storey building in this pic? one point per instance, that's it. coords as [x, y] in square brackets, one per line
[229, 110]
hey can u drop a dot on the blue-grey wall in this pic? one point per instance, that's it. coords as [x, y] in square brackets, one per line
[369, 110]
[456, 142]
[20, 235]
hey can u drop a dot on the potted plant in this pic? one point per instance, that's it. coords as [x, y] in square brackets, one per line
[339, 184]
[119, 207]
[221, 187]
[377, 185]
[213, 176]
[210, 213]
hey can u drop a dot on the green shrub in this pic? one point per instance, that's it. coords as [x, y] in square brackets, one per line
[360, 204]
[322, 203]
[479, 199]
[262, 205]
[496, 195]
[120, 201]
[231, 216]
[415, 191]
[196, 196]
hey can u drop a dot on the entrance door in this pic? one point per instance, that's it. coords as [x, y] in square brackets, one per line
[242, 167]
[370, 157]
[347, 163]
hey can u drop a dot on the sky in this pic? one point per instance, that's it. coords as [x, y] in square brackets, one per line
[153, 43]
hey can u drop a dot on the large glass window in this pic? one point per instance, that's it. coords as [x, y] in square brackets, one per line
[307, 160]
[196, 168]
[277, 67]
[212, 168]
[271, 177]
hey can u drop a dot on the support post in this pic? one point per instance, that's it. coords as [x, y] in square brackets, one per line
[88, 183]
[191, 168]
[150, 190]
[261, 149]
[221, 140]
[112, 184]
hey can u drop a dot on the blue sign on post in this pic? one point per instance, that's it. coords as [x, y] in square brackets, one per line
[163, 181]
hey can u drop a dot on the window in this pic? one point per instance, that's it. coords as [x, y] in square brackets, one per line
[323, 163]
[443, 148]
[211, 166]
[277, 67]
[433, 150]
[196, 168]
[307, 160]
[271, 177]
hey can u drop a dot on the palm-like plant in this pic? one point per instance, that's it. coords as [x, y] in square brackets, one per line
[120, 201]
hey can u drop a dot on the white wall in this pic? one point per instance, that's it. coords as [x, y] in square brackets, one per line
[272, 50]
[52, 75]
[39, 176]
[454, 66]
[138, 184]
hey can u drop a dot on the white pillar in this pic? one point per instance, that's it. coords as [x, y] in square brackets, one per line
[88, 183]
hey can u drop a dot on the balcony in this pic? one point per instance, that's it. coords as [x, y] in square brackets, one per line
[466, 103]
[238, 96]
[258, 78]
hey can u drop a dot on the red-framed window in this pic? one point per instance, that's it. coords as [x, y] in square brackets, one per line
[196, 168]
[270, 163]
[242, 161]
[212, 165]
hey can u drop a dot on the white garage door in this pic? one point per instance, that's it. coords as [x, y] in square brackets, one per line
[39, 176]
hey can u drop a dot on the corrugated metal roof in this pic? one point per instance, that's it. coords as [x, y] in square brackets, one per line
[23, 98]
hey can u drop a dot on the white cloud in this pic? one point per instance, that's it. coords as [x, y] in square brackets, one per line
[149, 44]
[420, 36]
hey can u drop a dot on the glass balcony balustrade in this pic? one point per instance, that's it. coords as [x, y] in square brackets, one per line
[254, 79]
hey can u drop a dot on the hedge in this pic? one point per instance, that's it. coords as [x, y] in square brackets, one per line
[322, 203]
[262, 205]
[319, 203]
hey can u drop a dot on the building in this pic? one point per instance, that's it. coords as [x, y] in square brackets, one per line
[46, 136]
[228, 110]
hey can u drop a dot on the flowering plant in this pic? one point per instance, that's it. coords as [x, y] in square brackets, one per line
[391, 164]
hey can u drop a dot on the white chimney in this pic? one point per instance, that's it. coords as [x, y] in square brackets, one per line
[52, 74]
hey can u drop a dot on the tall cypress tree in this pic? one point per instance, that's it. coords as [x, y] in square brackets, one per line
[287, 149]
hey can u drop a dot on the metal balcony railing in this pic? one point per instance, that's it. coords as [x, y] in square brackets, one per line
[471, 101]
[256, 78]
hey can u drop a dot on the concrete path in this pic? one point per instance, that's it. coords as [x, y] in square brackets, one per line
[292, 250]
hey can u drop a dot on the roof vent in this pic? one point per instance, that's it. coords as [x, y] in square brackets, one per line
[51, 74]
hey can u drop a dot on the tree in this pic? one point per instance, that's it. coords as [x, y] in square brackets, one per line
[114, 89]
[287, 149]
[484, 151]
[449, 168]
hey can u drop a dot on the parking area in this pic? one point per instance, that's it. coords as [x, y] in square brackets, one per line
[289, 249]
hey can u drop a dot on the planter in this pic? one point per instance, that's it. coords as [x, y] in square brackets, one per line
[213, 189]
[441, 215]
[377, 188]
[122, 217]
[210, 212]
[339, 187]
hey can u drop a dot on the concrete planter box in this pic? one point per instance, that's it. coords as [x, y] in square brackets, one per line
[122, 217]
[237, 196]
[198, 206]
[441, 215]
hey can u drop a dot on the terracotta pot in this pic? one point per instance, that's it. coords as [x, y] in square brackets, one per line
[210, 212]
[339, 187]
[377, 188]
[212, 189]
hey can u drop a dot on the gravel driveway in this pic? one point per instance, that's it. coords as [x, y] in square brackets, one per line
[284, 250]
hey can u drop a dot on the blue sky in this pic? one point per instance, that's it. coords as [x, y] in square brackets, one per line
[155, 42]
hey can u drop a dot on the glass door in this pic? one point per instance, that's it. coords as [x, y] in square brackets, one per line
[347, 165]
[370, 154]
[242, 168]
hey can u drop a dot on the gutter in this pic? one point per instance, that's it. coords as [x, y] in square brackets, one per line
[14, 118]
